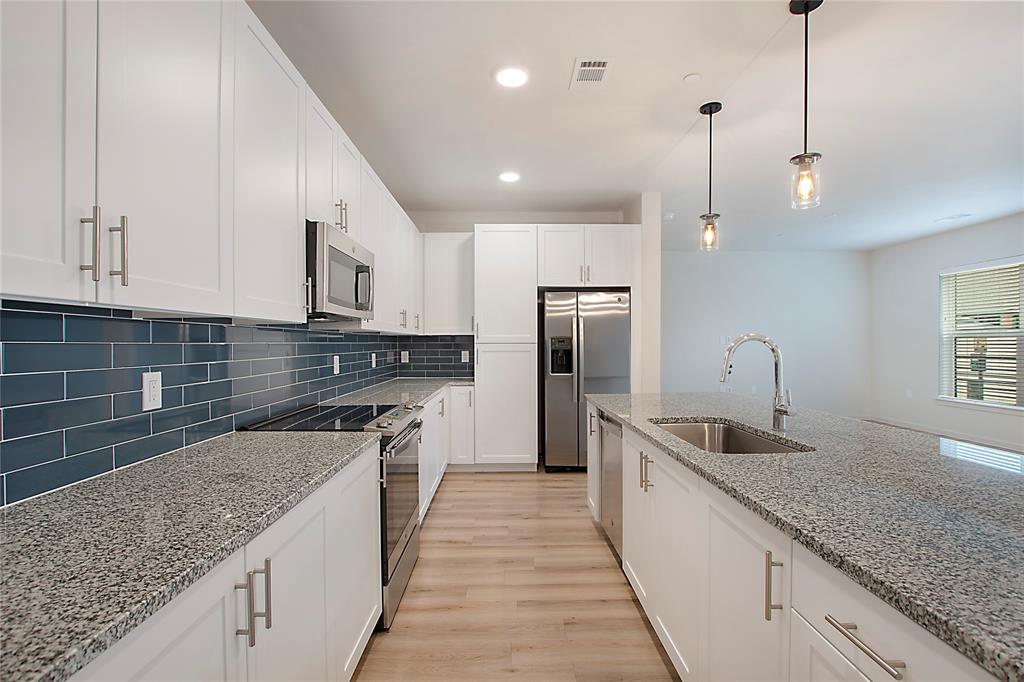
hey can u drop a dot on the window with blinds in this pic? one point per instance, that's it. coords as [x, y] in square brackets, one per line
[982, 345]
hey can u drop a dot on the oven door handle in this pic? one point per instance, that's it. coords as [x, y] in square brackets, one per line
[402, 439]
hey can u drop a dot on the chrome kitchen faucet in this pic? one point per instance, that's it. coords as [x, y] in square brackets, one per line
[780, 409]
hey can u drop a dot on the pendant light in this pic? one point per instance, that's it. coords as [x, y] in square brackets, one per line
[709, 221]
[806, 185]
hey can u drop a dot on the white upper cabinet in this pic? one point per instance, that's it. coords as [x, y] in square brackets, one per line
[448, 283]
[347, 173]
[585, 255]
[505, 277]
[164, 128]
[321, 150]
[560, 250]
[609, 255]
[269, 172]
[48, 127]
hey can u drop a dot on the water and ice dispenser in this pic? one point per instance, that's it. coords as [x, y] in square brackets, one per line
[561, 355]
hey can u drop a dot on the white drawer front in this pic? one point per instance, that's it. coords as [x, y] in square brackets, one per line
[819, 591]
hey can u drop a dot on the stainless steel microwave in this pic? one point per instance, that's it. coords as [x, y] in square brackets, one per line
[339, 275]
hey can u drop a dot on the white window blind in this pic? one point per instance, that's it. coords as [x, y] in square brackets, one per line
[982, 345]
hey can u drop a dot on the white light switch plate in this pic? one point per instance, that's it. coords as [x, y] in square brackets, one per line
[405, 356]
[152, 391]
[465, 356]
[337, 365]
[373, 359]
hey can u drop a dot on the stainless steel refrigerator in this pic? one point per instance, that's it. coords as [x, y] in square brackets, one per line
[586, 350]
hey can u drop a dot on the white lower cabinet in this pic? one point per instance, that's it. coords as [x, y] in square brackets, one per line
[316, 586]
[593, 462]
[434, 447]
[506, 403]
[813, 659]
[733, 598]
[740, 589]
[463, 431]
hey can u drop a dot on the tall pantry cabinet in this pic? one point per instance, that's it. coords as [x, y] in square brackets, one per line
[505, 331]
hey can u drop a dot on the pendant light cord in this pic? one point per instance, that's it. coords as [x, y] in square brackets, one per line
[711, 137]
[807, 15]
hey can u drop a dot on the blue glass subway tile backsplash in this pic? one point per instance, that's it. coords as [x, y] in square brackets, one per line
[70, 385]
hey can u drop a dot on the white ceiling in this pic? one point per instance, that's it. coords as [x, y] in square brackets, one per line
[917, 108]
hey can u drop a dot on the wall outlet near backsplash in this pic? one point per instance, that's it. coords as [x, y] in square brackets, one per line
[465, 356]
[404, 357]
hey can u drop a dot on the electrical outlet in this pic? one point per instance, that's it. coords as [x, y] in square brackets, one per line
[337, 364]
[465, 356]
[405, 356]
[373, 359]
[152, 391]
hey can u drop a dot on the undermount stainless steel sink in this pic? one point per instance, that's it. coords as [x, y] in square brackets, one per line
[725, 439]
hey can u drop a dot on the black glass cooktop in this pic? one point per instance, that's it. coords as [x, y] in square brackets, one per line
[324, 418]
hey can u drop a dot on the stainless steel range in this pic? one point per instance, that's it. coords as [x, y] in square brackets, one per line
[400, 427]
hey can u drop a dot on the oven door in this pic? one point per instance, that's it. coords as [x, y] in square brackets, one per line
[342, 282]
[400, 462]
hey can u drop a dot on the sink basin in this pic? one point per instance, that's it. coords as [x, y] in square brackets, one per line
[725, 438]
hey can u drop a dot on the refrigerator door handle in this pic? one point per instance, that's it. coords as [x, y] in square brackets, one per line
[579, 361]
[575, 363]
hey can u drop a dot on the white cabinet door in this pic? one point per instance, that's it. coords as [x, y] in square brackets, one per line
[269, 167]
[192, 638]
[638, 560]
[560, 255]
[48, 127]
[463, 448]
[353, 563]
[677, 542]
[505, 284]
[609, 255]
[430, 452]
[347, 193]
[593, 462]
[506, 403]
[734, 617]
[813, 659]
[321, 148]
[406, 280]
[448, 283]
[164, 129]
[294, 647]
[446, 437]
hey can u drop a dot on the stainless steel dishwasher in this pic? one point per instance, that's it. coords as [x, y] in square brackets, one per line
[611, 482]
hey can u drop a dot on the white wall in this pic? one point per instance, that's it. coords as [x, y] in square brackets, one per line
[813, 303]
[905, 332]
[645, 210]
[463, 221]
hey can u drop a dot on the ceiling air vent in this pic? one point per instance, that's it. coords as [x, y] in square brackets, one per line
[587, 73]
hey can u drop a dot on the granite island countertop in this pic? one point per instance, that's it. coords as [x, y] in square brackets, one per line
[81, 567]
[397, 391]
[938, 538]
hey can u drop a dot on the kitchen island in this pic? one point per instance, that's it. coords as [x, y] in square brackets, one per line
[903, 514]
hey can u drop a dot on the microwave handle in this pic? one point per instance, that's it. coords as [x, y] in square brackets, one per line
[368, 301]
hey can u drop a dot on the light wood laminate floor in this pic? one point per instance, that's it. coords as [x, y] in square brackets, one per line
[515, 581]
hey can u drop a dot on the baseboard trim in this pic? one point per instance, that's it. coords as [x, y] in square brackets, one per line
[493, 468]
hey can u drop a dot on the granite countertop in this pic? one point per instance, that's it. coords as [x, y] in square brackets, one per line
[82, 566]
[398, 391]
[938, 538]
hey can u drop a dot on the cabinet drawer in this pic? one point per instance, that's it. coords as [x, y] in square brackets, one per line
[819, 590]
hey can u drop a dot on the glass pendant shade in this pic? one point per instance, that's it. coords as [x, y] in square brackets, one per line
[709, 232]
[806, 189]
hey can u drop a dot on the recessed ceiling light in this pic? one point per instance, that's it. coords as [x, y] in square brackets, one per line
[511, 76]
[691, 78]
[509, 176]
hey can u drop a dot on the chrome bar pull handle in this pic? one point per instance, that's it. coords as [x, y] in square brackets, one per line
[647, 485]
[249, 631]
[344, 215]
[581, 275]
[95, 222]
[590, 424]
[769, 564]
[588, 273]
[417, 321]
[470, 394]
[123, 272]
[309, 295]
[890, 666]
[267, 613]
[642, 458]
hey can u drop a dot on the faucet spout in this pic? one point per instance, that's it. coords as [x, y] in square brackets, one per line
[781, 403]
